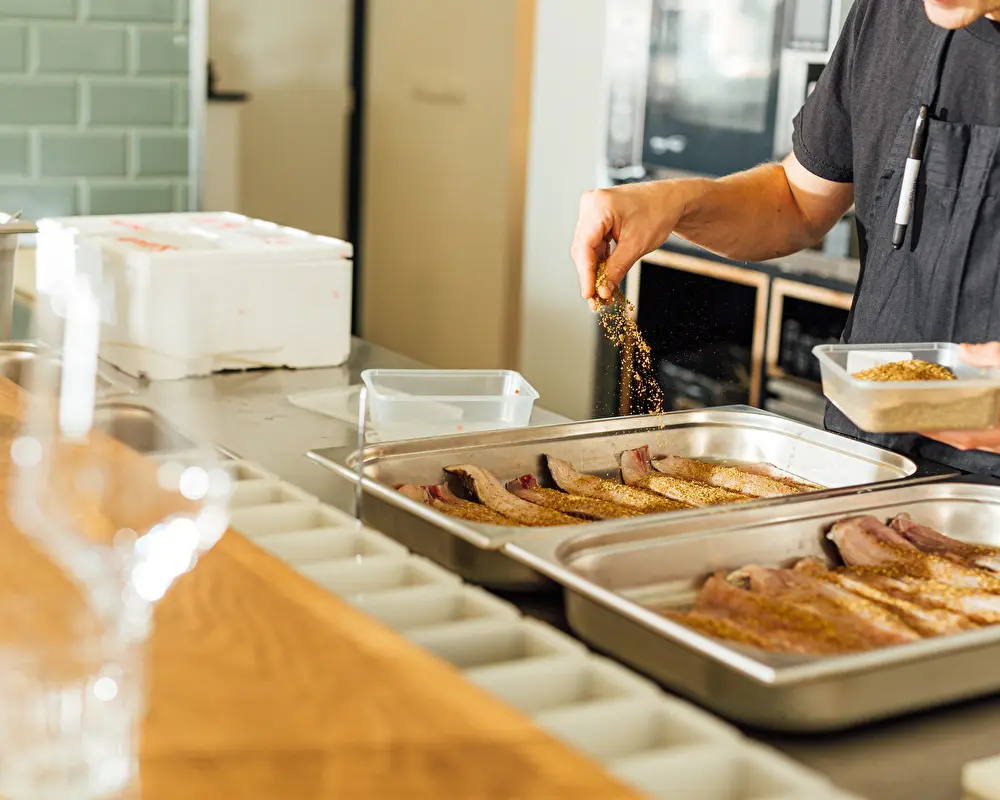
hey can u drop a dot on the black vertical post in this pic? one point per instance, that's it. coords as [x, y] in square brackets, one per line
[355, 170]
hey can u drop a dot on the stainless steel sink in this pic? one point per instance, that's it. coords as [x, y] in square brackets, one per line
[30, 365]
[140, 428]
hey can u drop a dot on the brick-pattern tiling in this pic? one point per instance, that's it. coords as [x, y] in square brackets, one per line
[93, 106]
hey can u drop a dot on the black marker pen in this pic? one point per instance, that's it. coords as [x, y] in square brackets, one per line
[908, 191]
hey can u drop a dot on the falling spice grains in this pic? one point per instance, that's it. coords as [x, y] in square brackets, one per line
[618, 322]
[913, 370]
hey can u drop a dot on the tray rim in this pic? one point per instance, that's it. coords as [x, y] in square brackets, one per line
[492, 537]
[542, 556]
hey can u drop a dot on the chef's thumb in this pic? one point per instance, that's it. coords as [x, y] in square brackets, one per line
[621, 260]
[982, 355]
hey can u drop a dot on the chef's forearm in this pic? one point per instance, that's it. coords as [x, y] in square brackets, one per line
[750, 216]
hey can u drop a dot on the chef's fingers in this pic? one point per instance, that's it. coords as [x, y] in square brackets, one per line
[985, 440]
[592, 228]
[982, 355]
[625, 255]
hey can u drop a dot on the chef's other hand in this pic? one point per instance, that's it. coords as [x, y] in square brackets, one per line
[638, 218]
[979, 355]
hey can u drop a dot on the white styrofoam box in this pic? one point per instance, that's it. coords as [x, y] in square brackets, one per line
[536, 686]
[193, 294]
[305, 515]
[730, 772]
[329, 544]
[615, 727]
[484, 643]
[266, 492]
[426, 607]
[377, 574]
[981, 779]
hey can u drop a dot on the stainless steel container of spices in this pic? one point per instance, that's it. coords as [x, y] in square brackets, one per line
[618, 586]
[735, 434]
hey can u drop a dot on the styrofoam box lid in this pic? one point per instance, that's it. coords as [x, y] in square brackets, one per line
[168, 236]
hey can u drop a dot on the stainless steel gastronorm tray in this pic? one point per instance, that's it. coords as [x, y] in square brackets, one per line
[616, 583]
[734, 434]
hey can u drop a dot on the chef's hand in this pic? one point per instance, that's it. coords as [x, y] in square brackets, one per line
[638, 218]
[979, 355]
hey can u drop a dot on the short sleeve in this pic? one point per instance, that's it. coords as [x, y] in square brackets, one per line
[822, 137]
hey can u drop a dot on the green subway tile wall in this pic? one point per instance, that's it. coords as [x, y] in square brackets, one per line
[93, 106]
[13, 155]
[13, 48]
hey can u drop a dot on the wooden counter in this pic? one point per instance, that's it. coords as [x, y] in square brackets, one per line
[263, 685]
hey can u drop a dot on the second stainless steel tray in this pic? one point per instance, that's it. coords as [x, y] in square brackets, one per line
[616, 582]
[734, 434]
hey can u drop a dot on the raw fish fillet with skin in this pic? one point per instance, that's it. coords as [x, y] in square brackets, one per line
[817, 632]
[584, 485]
[418, 493]
[925, 621]
[770, 471]
[491, 493]
[869, 619]
[527, 488]
[721, 627]
[734, 479]
[866, 542]
[442, 499]
[637, 470]
[979, 606]
[930, 541]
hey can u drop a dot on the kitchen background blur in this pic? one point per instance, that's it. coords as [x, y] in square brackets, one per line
[450, 141]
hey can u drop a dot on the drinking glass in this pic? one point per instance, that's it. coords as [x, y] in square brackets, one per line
[107, 506]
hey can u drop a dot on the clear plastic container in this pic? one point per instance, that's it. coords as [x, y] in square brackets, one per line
[409, 403]
[971, 402]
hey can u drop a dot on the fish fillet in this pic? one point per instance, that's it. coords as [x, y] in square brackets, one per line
[584, 485]
[734, 479]
[722, 627]
[637, 470]
[771, 616]
[978, 606]
[446, 502]
[442, 499]
[864, 617]
[491, 493]
[418, 493]
[866, 542]
[925, 621]
[766, 470]
[527, 488]
[930, 541]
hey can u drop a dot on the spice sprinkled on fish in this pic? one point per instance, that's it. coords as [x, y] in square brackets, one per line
[733, 479]
[527, 488]
[491, 493]
[637, 470]
[580, 483]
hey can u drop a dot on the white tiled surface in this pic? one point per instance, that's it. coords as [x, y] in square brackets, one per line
[660, 745]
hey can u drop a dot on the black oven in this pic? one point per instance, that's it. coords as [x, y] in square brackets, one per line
[710, 86]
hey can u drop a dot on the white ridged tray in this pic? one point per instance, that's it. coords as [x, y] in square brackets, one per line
[981, 779]
[660, 745]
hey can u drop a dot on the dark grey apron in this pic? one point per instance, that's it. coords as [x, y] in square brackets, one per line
[943, 285]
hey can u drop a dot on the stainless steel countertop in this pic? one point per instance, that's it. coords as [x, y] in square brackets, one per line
[249, 413]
